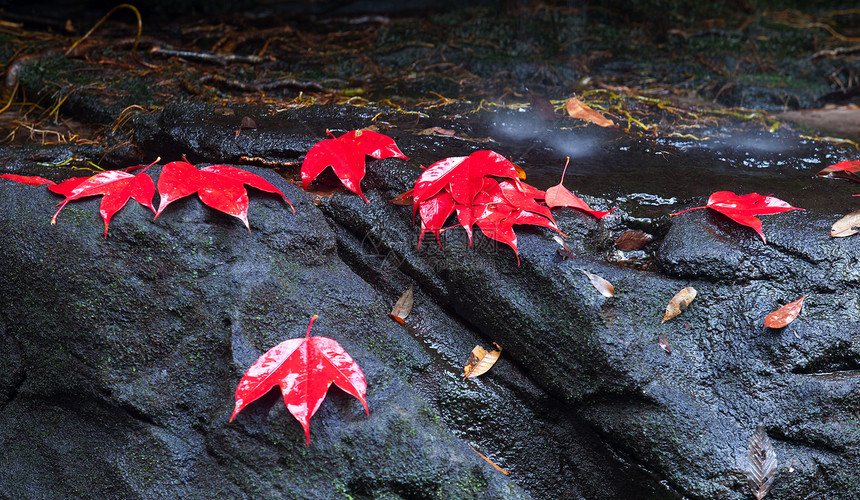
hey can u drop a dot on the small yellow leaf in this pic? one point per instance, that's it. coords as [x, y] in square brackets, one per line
[679, 302]
[480, 361]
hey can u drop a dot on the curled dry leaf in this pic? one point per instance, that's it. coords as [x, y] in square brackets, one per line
[785, 314]
[578, 109]
[632, 240]
[565, 250]
[600, 284]
[761, 463]
[664, 343]
[403, 306]
[480, 361]
[846, 226]
[679, 302]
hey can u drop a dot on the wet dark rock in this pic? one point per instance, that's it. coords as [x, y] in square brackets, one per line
[123, 353]
[119, 356]
[600, 356]
[158, 321]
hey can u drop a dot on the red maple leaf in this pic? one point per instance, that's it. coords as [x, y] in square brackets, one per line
[844, 169]
[560, 196]
[304, 369]
[470, 186]
[743, 209]
[219, 186]
[116, 186]
[33, 180]
[462, 176]
[345, 155]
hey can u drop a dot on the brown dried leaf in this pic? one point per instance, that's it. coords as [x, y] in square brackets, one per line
[600, 284]
[577, 109]
[564, 251]
[785, 314]
[664, 343]
[248, 123]
[761, 463]
[632, 240]
[846, 226]
[679, 302]
[403, 199]
[542, 107]
[437, 131]
[403, 306]
[503, 471]
[480, 361]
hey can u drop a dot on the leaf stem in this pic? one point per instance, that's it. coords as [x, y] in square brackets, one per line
[684, 211]
[314, 317]
[565, 170]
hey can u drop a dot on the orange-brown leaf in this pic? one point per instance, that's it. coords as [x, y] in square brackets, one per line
[403, 306]
[679, 302]
[480, 361]
[578, 109]
[632, 240]
[846, 226]
[600, 284]
[521, 174]
[785, 314]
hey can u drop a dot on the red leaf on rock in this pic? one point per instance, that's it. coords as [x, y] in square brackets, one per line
[469, 186]
[434, 212]
[560, 196]
[500, 226]
[345, 155]
[116, 186]
[844, 169]
[462, 176]
[219, 186]
[743, 209]
[68, 186]
[33, 180]
[304, 369]
[785, 314]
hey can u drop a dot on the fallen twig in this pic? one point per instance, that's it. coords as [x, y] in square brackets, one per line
[289, 83]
